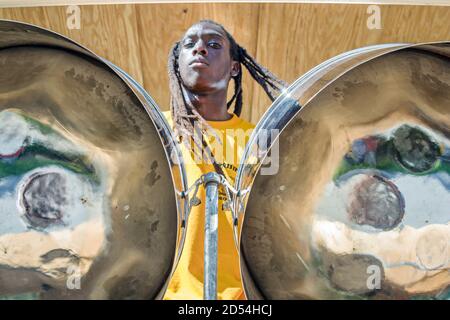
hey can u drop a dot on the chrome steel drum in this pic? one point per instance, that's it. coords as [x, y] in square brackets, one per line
[359, 207]
[88, 207]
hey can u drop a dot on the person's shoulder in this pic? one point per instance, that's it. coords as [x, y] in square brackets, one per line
[244, 124]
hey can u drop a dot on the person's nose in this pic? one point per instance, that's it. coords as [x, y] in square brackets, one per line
[200, 47]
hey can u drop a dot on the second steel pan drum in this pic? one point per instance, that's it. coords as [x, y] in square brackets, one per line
[359, 207]
[88, 207]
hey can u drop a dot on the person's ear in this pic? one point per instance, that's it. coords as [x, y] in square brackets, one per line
[235, 68]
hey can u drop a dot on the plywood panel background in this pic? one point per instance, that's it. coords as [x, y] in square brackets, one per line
[289, 39]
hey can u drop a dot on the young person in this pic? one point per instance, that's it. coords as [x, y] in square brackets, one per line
[213, 138]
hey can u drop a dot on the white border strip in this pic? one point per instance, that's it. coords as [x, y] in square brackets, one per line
[38, 3]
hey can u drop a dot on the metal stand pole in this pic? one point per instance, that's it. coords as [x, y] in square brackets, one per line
[211, 182]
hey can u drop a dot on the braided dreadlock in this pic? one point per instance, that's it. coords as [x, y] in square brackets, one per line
[184, 114]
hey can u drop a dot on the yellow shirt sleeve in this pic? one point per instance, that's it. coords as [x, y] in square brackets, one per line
[187, 280]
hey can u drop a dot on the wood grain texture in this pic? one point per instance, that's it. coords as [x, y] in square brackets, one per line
[39, 3]
[289, 39]
[308, 34]
[109, 31]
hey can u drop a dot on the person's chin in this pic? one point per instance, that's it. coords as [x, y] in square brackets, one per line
[198, 84]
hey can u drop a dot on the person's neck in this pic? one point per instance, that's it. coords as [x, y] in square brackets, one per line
[212, 106]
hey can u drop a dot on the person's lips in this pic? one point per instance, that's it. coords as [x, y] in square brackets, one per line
[199, 62]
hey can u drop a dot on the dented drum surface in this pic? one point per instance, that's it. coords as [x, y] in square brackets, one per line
[87, 201]
[358, 207]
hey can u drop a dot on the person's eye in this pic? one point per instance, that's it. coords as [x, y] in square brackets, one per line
[188, 44]
[215, 45]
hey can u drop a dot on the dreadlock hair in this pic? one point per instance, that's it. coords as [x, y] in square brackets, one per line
[185, 114]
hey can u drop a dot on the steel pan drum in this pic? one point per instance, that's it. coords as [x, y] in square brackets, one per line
[359, 207]
[88, 207]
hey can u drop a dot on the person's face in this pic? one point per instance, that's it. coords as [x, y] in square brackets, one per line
[205, 62]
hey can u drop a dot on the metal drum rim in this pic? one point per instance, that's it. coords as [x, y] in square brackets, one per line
[395, 47]
[154, 114]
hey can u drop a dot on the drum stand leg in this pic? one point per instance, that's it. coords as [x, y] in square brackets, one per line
[211, 182]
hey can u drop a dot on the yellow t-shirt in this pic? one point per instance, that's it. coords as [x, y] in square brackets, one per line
[187, 280]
